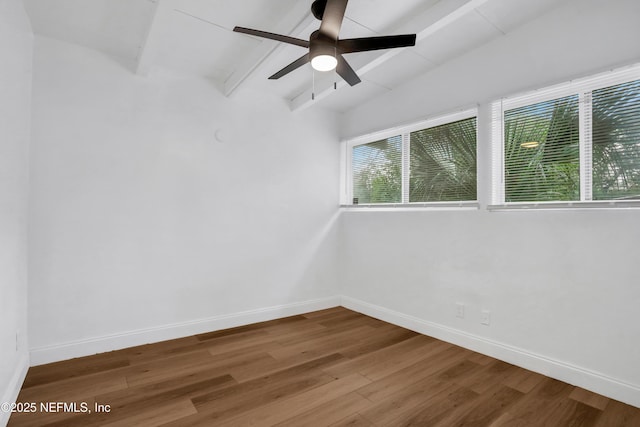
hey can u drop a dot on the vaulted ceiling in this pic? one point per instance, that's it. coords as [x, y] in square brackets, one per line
[195, 37]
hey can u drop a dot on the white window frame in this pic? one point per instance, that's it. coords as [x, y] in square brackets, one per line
[583, 88]
[404, 131]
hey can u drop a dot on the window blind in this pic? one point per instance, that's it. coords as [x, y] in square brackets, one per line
[428, 164]
[616, 142]
[576, 143]
[377, 171]
[442, 163]
[542, 151]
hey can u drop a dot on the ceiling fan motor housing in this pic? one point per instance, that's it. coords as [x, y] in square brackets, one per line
[321, 45]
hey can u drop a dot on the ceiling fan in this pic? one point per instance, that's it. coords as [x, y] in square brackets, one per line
[325, 48]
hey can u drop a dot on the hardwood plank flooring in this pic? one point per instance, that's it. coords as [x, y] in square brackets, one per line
[333, 367]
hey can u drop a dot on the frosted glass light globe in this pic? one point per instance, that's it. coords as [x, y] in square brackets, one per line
[324, 63]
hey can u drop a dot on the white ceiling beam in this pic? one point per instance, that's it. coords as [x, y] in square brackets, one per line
[433, 19]
[297, 20]
[147, 51]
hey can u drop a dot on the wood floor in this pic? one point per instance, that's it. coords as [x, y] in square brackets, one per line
[328, 368]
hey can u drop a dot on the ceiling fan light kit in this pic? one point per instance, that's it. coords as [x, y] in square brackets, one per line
[325, 49]
[324, 62]
[323, 53]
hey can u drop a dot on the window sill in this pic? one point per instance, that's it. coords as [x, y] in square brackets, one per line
[396, 207]
[604, 204]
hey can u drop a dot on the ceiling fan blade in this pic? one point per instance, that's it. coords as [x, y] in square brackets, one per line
[346, 72]
[272, 36]
[293, 66]
[332, 18]
[375, 43]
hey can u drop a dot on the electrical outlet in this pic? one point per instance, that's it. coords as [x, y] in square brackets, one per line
[485, 317]
[460, 310]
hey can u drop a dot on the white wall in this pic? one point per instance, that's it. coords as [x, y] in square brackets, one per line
[142, 220]
[16, 46]
[562, 286]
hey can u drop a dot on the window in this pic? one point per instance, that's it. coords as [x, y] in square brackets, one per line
[432, 162]
[616, 142]
[442, 163]
[377, 171]
[541, 151]
[578, 142]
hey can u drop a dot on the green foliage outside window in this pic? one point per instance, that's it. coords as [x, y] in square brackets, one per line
[377, 172]
[542, 152]
[616, 142]
[443, 163]
[542, 147]
[442, 166]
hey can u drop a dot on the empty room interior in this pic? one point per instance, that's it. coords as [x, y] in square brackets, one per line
[298, 212]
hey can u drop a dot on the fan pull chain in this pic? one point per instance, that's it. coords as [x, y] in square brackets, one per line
[313, 88]
[335, 72]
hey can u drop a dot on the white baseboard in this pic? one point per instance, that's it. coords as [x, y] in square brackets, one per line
[80, 348]
[10, 394]
[575, 375]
